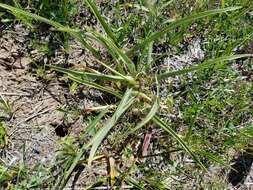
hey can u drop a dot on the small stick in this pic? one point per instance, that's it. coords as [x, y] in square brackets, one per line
[29, 118]
[13, 94]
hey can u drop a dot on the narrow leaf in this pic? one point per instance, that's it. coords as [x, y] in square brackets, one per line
[125, 103]
[80, 74]
[212, 157]
[113, 49]
[95, 85]
[31, 15]
[92, 126]
[204, 65]
[75, 33]
[61, 185]
[5, 105]
[101, 20]
[3, 136]
[178, 23]
[136, 183]
[164, 126]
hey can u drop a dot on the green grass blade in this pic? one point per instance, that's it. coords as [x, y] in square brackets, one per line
[94, 85]
[127, 78]
[79, 155]
[186, 20]
[165, 127]
[75, 33]
[148, 117]
[125, 103]
[111, 69]
[136, 183]
[212, 157]
[101, 20]
[204, 65]
[31, 15]
[113, 49]
[178, 23]
[82, 75]
[5, 105]
[93, 124]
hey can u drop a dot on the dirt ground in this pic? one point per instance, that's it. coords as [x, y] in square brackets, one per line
[35, 126]
[33, 102]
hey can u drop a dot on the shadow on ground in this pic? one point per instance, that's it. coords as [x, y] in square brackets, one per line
[240, 169]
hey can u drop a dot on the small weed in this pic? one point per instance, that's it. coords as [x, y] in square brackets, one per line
[5, 108]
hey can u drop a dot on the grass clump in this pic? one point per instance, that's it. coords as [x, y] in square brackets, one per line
[129, 75]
